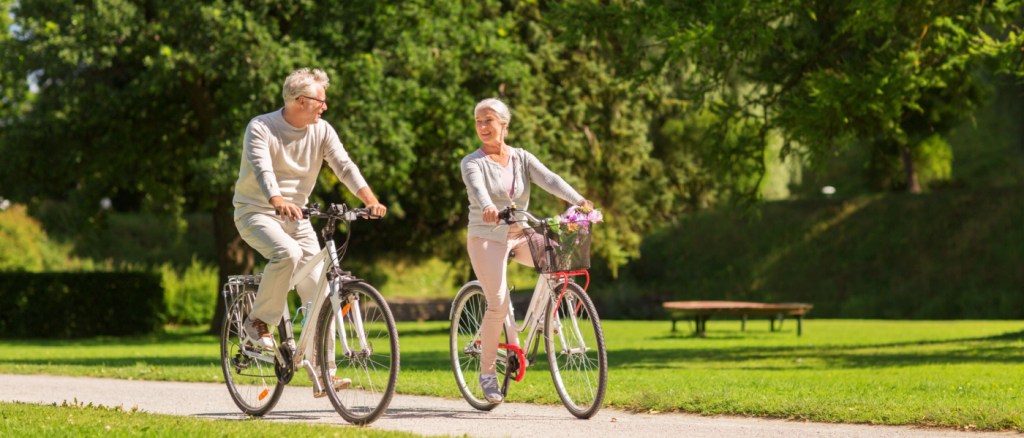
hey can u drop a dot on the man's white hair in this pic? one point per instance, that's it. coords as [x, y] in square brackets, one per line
[302, 82]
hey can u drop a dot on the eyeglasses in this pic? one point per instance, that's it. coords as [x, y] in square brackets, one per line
[322, 102]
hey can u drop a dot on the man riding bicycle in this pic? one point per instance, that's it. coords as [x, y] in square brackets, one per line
[283, 152]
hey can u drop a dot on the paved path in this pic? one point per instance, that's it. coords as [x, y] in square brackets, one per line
[432, 415]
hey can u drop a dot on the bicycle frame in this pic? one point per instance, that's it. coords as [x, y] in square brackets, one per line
[560, 312]
[330, 283]
[533, 320]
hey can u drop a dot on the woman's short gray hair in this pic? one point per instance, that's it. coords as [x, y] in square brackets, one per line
[301, 83]
[498, 106]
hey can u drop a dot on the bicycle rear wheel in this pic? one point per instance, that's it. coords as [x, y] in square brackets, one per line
[576, 353]
[465, 351]
[249, 373]
[373, 369]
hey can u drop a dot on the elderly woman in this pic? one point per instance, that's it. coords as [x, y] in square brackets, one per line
[496, 176]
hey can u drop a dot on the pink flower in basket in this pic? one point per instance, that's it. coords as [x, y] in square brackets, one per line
[566, 242]
[582, 215]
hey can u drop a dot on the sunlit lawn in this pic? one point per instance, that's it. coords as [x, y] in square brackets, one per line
[967, 374]
[77, 420]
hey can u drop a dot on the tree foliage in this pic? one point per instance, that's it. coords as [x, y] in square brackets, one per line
[821, 73]
[648, 108]
[145, 102]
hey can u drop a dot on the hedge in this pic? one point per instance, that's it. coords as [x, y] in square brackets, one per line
[74, 305]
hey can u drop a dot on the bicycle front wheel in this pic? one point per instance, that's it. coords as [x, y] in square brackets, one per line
[575, 347]
[465, 350]
[370, 359]
[249, 373]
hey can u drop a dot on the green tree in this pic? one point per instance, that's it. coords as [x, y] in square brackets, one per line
[416, 69]
[821, 73]
[146, 100]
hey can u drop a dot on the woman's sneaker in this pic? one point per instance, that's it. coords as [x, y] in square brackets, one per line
[257, 333]
[489, 383]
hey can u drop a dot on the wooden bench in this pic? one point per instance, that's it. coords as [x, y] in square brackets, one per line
[701, 311]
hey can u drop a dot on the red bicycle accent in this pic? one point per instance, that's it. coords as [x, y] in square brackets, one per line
[563, 277]
[519, 354]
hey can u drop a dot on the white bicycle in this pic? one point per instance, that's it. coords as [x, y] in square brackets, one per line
[350, 331]
[560, 310]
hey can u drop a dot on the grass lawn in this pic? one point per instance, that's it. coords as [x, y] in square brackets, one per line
[964, 374]
[31, 420]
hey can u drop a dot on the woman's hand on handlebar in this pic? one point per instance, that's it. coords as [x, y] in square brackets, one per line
[491, 214]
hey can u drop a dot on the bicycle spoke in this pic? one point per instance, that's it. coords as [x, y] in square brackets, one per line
[373, 370]
[465, 349]
[252, 381]
[576, 353]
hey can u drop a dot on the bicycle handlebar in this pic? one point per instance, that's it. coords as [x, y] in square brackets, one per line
[337, 211]
[508, 215]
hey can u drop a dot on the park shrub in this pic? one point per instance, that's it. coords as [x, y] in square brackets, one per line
[136, 238]
[192, 294]
[82, 304]
[24, 245]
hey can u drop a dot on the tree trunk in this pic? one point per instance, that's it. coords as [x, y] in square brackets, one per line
[910, 172]
[234, 256]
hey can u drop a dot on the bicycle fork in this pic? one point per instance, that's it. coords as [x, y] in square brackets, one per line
[571, 309]
[337, 280]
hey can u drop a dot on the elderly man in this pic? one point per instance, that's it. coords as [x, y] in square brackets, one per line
[283, 152]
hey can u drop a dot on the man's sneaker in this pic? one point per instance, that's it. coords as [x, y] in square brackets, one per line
[257, 333]
[489, 383]
[339, 384]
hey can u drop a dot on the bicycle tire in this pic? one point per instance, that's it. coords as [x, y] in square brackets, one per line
[374, 372]
[466, 318]
[576, 351]
[253, 384]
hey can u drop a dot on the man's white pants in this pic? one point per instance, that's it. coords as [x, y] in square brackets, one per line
[288, 245]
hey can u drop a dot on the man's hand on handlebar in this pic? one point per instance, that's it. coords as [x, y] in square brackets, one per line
[286, 210]
[377, 210]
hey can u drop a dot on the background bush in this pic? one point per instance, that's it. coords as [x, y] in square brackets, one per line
[192, 294]
[24, 245]
[936, 256]
[74, 305]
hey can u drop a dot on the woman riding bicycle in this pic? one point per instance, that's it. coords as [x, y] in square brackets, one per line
[496, 176]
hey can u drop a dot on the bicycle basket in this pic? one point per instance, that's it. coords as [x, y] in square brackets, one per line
[565, 248]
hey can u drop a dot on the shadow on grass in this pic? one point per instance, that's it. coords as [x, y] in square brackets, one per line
[170, 336]
[957, 351]
[728, 336]
[118, 362]
[404, 331]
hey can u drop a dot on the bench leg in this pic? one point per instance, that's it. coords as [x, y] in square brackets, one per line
[743, 324]
[673, 325]
[799, 325]
[702, 325]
